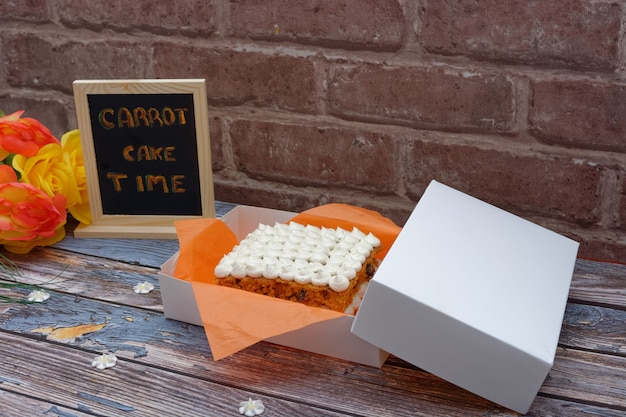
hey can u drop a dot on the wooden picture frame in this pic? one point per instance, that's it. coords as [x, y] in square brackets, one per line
[147, 154]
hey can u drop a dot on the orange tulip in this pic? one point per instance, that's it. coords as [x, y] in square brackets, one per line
[7, 174]
[24, 136]
[29, 217]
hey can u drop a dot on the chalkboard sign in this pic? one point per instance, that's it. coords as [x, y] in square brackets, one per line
[147, 155]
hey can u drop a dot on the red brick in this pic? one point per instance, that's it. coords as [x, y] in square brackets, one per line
[603, 247]
[217, 148]
[571, 33]
[189, 17]
[310, 155]
[525, 184]
[237, 77]
[367, 24]
[3, 64]
[622, 205]
[264, 194]
[297, 199]
[434, 98]
[54, 114]
[579, 114]
[54, 63]
[30, 10]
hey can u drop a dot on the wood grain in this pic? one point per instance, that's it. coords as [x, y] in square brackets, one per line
[594, 328]
[16, 405]
[127, 389]
[590, 377]
[93, 277]
[148, 338]
[599, 283]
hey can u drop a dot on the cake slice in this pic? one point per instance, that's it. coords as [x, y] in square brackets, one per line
[320, 267]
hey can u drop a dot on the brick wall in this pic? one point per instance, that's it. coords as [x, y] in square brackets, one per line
[521, 103]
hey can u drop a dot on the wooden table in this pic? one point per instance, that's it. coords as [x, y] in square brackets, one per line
[165, 367]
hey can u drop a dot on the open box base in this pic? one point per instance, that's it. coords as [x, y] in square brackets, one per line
[330, 337]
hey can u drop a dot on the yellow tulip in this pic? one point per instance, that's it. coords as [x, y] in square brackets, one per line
[73, 155]
[58, 169]
[47, 171]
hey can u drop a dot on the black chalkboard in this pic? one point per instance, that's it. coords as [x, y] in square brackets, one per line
[146, 153]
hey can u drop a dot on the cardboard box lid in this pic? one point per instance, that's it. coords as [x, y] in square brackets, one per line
[472, 294]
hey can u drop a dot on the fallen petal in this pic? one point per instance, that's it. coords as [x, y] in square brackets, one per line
[251, 407]
[143, 287]
[38, 296]
[106, 360]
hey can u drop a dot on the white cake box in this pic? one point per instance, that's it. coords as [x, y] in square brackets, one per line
[468, 292]
[472, 294]
[330, 337]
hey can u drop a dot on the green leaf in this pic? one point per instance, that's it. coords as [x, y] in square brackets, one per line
[9, 273]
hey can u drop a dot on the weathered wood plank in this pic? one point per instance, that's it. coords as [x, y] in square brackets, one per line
[146, 252]
[148, 338]
[63, 375]
[589, 377]
[87, 276]
[63, 318]
[15, 405]
[601, 283]
[550, 407]
[595, 328]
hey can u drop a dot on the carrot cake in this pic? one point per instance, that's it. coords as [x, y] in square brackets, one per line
[320, 267]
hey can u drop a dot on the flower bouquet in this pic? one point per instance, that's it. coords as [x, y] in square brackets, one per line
[41, 179]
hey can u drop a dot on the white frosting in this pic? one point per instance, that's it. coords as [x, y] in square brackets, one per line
[339, 283]
[321, 278]
[272, 270]
[223, 270]
[304, 254]
[356, 301]
[303, 276]
[238, 270]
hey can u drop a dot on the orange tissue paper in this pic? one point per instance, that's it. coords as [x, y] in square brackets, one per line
[235, 319]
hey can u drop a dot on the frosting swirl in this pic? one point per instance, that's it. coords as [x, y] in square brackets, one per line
[304, 254]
